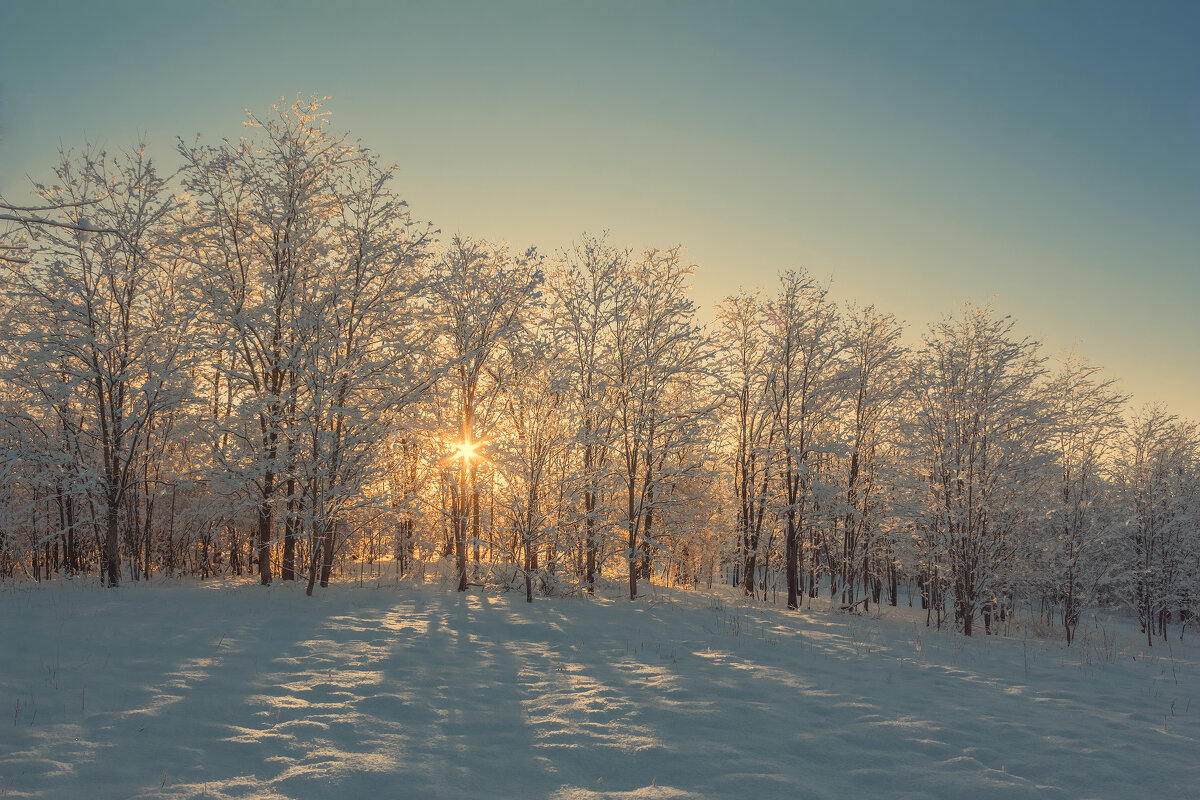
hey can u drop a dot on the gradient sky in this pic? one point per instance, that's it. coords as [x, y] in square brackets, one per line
[1041, 155]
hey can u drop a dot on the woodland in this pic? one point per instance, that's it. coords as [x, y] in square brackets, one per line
[260, 362]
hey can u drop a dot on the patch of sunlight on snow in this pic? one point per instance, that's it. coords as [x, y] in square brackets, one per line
[854, 704]
[321, 762]
[184, 678]
[55, 752]
[662, 685]
[569, 709]
[243, 787]
[652, 792]
[906, 722]
[780, 676]
[194, 669]
[832, 637]
[404, 620]
[276, 701]
[158, 702]
[241, 735]
[335, 679]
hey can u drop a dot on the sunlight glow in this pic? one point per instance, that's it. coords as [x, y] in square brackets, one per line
[466, 450]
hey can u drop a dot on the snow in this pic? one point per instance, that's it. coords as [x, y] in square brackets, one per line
[230, 690]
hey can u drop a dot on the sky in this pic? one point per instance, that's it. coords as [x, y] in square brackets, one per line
[1040, 156]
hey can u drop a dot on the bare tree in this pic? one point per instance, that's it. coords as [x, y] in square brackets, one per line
[1086, 414]
[584, 289]
[656, 346]
[101, 333]
[805, 390]
[982, 435]
[478, 295]
[874, 357]
[745, 366]
[265, 211]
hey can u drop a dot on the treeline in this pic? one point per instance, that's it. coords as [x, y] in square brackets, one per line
[264, 364]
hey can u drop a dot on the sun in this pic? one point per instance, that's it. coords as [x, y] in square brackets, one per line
[467, 451]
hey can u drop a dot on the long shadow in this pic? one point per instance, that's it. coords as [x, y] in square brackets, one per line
[118, 720]
[391, 694]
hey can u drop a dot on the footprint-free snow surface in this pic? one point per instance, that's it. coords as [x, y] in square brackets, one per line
[236, 691]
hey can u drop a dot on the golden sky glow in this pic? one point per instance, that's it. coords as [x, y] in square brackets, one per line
[1039, 156]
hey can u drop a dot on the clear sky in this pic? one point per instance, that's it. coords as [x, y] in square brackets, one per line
[1041, 155]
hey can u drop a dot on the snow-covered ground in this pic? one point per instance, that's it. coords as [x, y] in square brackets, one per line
[232, 690]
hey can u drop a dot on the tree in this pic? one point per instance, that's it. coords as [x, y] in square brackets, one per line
[479, 293]
[1086, 420]
[874, 358]
[265, 209]
[981, 436]
[805, 390]
[1156, 475]
[535, 402]
[99, 332]
[745, 364]
[358, 335]
[584, 290]
[656, 348]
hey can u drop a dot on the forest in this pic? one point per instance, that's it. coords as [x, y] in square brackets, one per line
[261, 362]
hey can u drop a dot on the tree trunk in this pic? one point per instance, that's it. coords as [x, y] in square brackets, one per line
[645, 568]
[475, 532]
[112, 544]
[287, 569]
[459, 506]
[589, 525]
[792, 564]
[313, 560]
[327, 547]
[633, 562]
[264, 530]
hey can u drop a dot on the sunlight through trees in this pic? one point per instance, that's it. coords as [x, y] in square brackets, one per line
[265, 365]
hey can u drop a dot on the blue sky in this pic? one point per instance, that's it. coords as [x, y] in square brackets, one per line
[1040, 155]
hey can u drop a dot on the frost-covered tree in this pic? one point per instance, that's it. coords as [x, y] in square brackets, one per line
[874, 359]
[1085, 422]
[97, 332]
[478, 295]
[1156, 476]
[980, 436]
[806, 387]
[744, 365]
[358, 337]
[266, 209]
[584, 288]
[531, 456]
[656, 348]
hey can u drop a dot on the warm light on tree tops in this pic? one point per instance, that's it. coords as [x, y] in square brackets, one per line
[265, 363]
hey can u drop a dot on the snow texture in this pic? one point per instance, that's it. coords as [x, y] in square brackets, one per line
[234, 691]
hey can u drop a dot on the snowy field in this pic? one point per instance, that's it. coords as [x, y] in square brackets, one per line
[234, 691]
